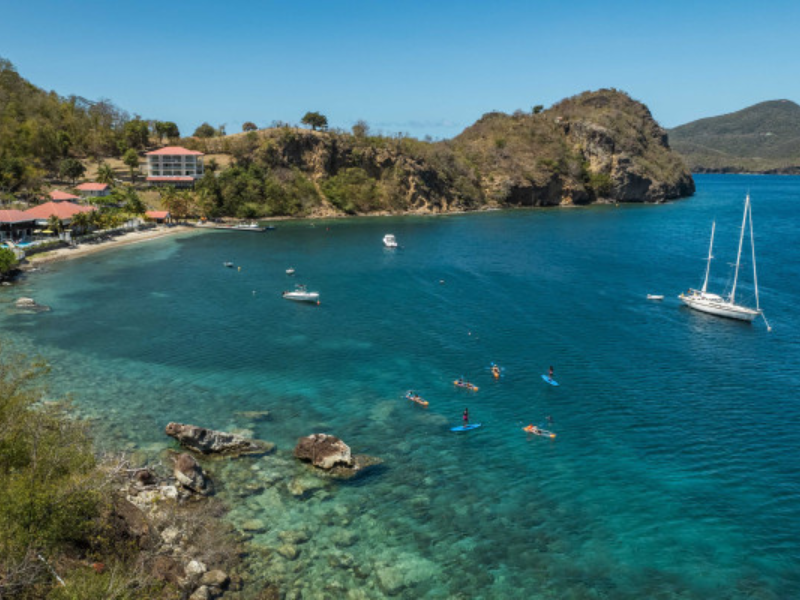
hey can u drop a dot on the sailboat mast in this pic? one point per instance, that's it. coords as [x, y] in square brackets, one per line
[708, 261]
[753, 249]
[732, 298]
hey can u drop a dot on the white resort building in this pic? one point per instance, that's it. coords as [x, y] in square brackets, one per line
[175, 166]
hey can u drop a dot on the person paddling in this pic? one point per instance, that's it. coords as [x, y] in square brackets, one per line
[550, 373]
[465, 417]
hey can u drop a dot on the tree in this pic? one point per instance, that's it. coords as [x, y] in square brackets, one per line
[315, 120]
[133, 203]
[136, 133]
[12, 173]
[105, 174]
[249, 126]
[360, 129]
[8, 261]
[205, 131]
[54, 224]
[81, 222]
[179, 204]
[131, 160]
[72, 169]
[537, 109]
[166, 129]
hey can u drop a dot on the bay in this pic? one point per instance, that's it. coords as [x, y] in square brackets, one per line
[673, 473]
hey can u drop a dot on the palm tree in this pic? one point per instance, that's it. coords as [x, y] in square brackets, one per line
[54, 224]
[81, 222]
[105, 174]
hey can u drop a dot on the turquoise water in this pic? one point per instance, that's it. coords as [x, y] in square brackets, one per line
[674, 471]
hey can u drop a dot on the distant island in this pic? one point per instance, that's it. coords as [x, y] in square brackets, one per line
[599, 146]
[763, 138]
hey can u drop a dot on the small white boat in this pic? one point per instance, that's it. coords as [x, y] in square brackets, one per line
[228, 264]
[655, 296]
[290, 271]
[389, 241]
[301, 294]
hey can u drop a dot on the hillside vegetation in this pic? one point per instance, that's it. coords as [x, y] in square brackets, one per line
[598, 146]
[762, 138]
[42, 132]
[595, 147]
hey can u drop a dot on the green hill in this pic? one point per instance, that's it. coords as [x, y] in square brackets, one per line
[762, 138]
[597, 146]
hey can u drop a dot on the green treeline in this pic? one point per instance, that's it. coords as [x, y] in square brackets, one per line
[42, 133]
[595, 146]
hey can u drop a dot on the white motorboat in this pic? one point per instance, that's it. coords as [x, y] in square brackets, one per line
[301, 294]
[290, 271]
[655, 296]
[714, 304]
[389, 241]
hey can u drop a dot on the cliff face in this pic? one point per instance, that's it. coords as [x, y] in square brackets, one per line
[598, 146]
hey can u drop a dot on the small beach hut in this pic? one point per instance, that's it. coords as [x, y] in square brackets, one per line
[159, 216]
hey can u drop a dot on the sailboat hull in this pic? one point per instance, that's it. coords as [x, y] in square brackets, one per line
[715, 305]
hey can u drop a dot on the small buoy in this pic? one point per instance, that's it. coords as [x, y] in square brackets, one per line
[318, 303]
[254, 292]
[240, 268]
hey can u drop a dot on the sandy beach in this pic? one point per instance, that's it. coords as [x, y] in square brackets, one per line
[125, 239]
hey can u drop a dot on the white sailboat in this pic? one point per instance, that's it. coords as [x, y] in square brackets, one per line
[714, 304]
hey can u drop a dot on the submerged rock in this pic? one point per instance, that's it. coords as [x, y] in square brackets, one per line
[29, 304]
[208, 441]
[255, 415]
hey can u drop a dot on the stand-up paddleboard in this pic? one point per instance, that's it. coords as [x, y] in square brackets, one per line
[466, 427]
[550, 381]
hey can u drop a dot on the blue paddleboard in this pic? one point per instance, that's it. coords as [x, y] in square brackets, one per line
[466, 427]
[550, 381]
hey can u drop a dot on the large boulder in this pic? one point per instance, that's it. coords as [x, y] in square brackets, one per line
[332, 455]
[323, 451]
[208, 441]
[190, 475]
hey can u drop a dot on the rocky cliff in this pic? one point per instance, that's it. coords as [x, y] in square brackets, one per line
[595, 147]
[598, 146]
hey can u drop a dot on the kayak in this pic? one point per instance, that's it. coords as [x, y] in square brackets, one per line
[538, 431]
[496, 372]
[466, 385]
[417, 399]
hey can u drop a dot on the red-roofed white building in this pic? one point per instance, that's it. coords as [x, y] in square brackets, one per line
[59, 196]
[93, 190]
[15, 225]
[174, 165]
[63, 210]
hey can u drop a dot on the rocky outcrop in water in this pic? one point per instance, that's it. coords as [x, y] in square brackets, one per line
[332, 455]
[30, 305]
[209, 441]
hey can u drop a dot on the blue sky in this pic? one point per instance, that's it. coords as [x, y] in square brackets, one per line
[423, 68]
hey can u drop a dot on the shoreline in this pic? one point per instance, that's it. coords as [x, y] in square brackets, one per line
[81, 250]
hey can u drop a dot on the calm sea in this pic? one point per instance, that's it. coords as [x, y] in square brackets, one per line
[674, 472]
